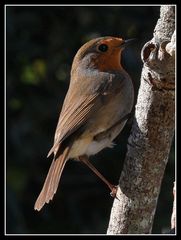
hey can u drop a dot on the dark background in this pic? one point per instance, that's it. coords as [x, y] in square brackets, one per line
[40, 45]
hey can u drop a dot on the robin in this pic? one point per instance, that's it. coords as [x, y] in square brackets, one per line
[97, 105]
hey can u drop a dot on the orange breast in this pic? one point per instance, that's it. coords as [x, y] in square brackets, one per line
[106, 62]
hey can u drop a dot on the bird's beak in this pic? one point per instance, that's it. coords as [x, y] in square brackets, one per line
[127, 42]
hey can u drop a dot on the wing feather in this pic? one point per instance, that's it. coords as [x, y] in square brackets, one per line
[72, 118]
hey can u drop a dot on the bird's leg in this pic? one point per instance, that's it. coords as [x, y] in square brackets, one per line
[113, 188]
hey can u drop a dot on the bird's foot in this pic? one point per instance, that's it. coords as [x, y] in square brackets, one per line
[114, 192]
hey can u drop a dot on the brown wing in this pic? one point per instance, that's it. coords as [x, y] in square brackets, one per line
[75, 114]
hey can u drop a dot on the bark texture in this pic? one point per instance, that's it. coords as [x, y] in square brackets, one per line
[151, 135]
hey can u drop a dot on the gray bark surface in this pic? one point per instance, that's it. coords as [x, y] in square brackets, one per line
[152, 133]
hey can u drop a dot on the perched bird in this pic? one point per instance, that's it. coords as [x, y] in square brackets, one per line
[97, 105]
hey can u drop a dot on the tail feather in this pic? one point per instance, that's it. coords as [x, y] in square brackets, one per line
[52, 180]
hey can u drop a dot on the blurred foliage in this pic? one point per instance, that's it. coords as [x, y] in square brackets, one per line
[40, 45]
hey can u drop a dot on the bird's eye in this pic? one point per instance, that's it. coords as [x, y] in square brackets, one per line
[103, 47]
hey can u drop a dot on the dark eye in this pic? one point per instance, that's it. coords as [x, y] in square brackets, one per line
[103, 48]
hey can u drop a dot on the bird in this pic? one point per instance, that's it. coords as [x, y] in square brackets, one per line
[97, 105]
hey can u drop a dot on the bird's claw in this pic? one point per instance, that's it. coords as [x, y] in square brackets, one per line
[114, 192]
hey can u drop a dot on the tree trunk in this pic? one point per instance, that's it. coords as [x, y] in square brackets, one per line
[151, 135]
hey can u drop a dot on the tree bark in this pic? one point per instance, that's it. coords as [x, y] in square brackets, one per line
[151, 136]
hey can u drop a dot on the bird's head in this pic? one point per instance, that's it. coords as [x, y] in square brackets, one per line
[101, 53]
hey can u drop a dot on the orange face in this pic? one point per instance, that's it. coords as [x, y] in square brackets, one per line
[101, 53]
[109, 54]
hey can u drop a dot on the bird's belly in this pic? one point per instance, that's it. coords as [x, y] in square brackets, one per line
[95, 147]
[106, 141]
[86, 145]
